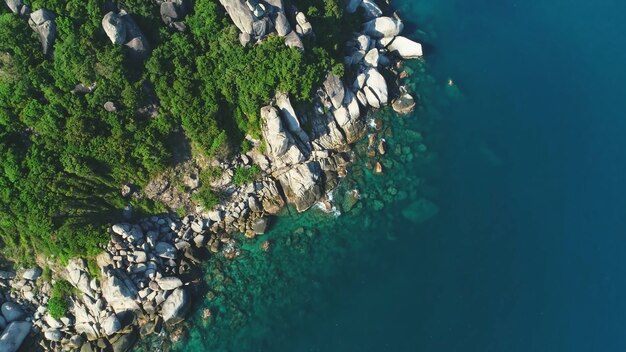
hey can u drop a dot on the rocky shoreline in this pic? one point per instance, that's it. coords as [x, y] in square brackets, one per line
[148, 272]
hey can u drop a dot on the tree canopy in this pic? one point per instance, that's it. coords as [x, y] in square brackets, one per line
[64, 157]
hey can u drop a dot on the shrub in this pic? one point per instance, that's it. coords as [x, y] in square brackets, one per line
[245, 175]
[57, 305]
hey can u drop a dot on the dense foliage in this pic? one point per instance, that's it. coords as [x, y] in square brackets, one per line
[57, 305]
[64, 158]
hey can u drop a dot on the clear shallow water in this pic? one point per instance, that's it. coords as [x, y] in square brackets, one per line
[527, 169]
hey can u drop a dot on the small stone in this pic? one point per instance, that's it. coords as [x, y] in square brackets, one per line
[381, 147]
[32, 274]
[378, 168]
[53, 335]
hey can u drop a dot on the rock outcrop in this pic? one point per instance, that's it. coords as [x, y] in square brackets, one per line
[404, 104]
[302, 185]
[406, 48]
[42, 22]
[173, 12]
[175, 306]
[383, 27]
[243, 17]
[14, 5]
[122, 30]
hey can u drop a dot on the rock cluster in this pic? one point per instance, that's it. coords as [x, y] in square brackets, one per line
[173, 12]
[122, 30]
[20, 304]
[256, 19]
[41, 21]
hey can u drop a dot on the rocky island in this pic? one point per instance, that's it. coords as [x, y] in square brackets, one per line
[154, 135]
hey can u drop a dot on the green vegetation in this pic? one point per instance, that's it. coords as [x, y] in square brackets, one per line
[245, 175]
[64, 158]
[57, 305]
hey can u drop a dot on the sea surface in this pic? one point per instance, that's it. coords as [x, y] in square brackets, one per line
[499, 223]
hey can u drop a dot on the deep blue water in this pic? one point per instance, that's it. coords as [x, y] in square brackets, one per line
[528, 251]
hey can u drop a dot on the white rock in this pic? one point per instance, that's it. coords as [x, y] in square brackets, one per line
[377, 86]
[175, 306]
[169, 283]
[111, 325]
[382, 27]
[371, 59]
[32, 274]
[53, 335]
[405, 47]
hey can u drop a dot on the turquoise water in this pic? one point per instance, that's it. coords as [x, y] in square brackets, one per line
[524, 158]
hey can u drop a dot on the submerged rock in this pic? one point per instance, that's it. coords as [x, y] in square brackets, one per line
[420, 211]
[175, 306]
[404, 104]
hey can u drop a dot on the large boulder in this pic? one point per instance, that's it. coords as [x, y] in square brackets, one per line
[406, 48]
[13, 336]
[292, 40]
[281, 146]
[170, 12]
[302, 185]
[114, 27]
[110, 325]
[165, 250]
[363, 42]
[289, 116]
[371, 59]
[348, 118]
[303, 26]
[42, 22]
[169, 283]
[175, 306]
[370, 9]
[383, 27]
[375, 88]
[244, 18]
[404, 104]
[281, 24]
[273, 131]
[124, 342]
[122, 30]
[119, 291]
[14, 5]
[334, 89]
[78, 276]
[270, 197]
[12, 312]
